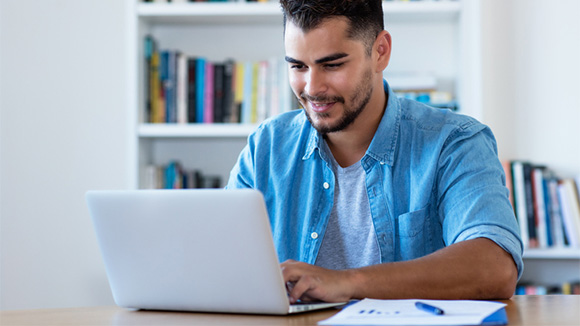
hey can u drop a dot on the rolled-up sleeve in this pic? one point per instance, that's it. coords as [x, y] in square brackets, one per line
[473, 199]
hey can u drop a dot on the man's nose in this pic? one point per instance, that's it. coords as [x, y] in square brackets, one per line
[315, 83]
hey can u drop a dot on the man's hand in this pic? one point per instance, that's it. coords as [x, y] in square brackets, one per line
[311, 283]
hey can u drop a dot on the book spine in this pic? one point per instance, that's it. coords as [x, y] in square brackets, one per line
[263, 94]
[570, 211]
[539, 206]
[529, 200]
[218, 90]
[172, 88]
[246, 113]
[507, 168]
[240, 77]
[254, 96]
[148, 51]
[209, 93]
[182, 88]
[556, 214]
[547, 211]
[200, 89]
[520, 201]
[228, 89]
[155, 84]
[191, 86]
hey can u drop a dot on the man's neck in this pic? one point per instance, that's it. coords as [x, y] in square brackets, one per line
[350, 145]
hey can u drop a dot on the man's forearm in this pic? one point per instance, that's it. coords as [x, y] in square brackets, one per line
[473, 269]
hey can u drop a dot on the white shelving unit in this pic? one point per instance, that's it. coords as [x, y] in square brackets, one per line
[551, 267]
[253, 31]
[437, 37]
[554, 253]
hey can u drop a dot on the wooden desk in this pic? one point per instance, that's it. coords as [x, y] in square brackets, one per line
[560, 310]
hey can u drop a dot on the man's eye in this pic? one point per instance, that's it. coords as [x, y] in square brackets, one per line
[333, 65]
[297, 67]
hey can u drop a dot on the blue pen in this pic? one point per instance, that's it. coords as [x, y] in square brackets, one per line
[429, 308]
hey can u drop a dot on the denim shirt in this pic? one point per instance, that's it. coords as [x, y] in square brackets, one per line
[433, 178]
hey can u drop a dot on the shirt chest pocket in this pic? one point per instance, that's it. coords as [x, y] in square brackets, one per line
[411, 235]
[412, 224]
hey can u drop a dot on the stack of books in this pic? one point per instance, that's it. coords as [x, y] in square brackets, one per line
[547, 207]
[192, 89]
[174, 176]
[564, 288]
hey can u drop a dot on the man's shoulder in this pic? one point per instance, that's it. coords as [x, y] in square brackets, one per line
[428, 118]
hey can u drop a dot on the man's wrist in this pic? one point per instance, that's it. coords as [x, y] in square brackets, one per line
[355, 282]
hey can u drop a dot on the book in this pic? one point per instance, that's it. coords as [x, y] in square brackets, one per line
[570, 211]
[254, 96]
[529, 202]
[191, 90]
[218, 92]
[520, 201]
[557, 228]
[167, 84]
[208, 93]
[240, 73]
[228, 89]
[506, 164]
[248, 80]
[263, 95]
[182, 89]
[199, 89]
[149, 49]
[537, 179]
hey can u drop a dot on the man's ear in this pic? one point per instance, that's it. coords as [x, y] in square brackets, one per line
[382, 50]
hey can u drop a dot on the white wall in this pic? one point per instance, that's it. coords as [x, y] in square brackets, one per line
[63, 131]
[531, 80]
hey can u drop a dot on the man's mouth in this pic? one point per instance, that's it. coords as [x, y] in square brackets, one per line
[321, 107]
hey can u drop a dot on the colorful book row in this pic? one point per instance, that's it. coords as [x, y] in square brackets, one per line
[547, 208]
[174, 176]
[564, 288]
[189, 89]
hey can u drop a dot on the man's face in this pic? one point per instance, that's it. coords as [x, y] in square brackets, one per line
[329, 73]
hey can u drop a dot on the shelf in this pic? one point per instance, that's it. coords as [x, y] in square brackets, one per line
[207, 13]
[552, 253]
[217, 130]
[255, 13]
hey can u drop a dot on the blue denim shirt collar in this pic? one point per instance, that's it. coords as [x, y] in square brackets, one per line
[384, 143]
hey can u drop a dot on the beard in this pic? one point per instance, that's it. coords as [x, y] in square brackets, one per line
[356, 106]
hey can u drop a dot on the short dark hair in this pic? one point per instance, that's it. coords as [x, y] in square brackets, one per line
[365, 17]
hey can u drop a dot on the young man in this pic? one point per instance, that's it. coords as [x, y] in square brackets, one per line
[370, 195]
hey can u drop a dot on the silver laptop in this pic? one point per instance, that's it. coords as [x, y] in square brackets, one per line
[190, 250]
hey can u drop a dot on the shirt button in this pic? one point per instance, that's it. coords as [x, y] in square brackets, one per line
[326, 185]
[314, 235]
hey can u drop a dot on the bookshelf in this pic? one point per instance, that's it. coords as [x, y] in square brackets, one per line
[551, 267]
[451, 30]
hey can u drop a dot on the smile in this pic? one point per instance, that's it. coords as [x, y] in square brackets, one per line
[321, 107]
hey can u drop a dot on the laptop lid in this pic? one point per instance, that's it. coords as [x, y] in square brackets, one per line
[190, 250]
